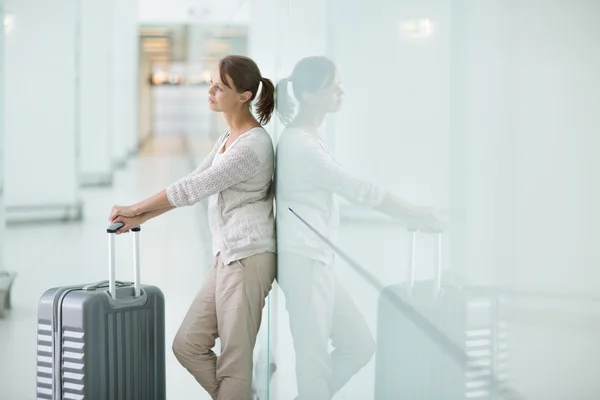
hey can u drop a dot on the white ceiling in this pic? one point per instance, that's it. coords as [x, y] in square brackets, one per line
[206, 12]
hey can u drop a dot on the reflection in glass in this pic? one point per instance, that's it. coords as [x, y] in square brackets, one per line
[308, 179]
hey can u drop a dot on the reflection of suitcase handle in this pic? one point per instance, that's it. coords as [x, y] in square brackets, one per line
[438, 265]
[111, 258]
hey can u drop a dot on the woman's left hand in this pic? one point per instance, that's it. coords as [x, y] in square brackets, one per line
[121, 211]
[130, 223]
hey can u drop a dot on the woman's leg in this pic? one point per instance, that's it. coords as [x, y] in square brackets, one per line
[320, 309]
[195, 339]
[309, 288]
[241, 289]
[351, 338]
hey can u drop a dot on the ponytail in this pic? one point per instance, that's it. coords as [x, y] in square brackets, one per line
[285, 104]
[266, 101]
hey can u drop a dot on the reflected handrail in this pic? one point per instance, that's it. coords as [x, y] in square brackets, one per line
[441, 340]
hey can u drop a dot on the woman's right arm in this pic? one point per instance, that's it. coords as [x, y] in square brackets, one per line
[151, 214]
[325, 172]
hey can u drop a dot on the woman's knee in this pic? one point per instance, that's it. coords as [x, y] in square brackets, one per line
[180, 346]
[366, 350]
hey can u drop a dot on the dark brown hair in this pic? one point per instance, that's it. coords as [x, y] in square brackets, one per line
[246, 76]
[309, 75]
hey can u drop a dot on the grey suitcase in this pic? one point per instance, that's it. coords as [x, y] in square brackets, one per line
[436, 341]
[102, 341]
[467, 323]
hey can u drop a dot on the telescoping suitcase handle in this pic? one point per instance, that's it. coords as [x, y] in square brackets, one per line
[111, 230]
[438, 263]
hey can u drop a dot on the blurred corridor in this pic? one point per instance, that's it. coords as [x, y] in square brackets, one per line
[477, 118]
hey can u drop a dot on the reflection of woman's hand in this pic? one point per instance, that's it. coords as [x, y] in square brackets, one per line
[427, 219]
[130, 223]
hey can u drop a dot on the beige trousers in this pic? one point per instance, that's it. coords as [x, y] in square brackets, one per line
[229, 306]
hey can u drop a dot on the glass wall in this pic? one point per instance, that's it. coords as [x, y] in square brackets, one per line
[4, 27]
[483, 111]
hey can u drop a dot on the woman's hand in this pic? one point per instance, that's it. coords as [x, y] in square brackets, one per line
[427, 219]
[130, 223]
[121, 211]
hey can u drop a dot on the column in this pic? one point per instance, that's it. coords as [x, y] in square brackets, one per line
[2, 217]
[42, 173]
[95, 95]
[124, 81]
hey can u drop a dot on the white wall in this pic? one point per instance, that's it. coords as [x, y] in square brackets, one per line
[41, 137]
[557, 137]
[524, 168]
[482, 139]
[95, 103]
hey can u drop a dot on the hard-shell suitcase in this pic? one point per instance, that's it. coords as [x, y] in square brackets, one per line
[104, 340]
[436, 341]
[463, 356]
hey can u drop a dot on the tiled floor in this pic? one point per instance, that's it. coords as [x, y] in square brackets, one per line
[173, 257]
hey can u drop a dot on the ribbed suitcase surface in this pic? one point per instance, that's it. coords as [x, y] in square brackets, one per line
[439, 341]
[95, 343]
[106, 352]
[470, 363]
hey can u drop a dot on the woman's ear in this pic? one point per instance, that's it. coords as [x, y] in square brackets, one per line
[246, 96]
[308, 97]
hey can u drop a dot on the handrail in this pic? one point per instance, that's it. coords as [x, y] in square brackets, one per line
[457, 354]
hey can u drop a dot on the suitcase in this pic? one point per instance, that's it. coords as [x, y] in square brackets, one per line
[436, 341]
[463, 356]
[104, 340]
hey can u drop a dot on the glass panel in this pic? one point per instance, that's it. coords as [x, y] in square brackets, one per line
[7, 25]
[485, 111]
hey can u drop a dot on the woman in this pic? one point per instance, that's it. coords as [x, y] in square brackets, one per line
[236, 177]
[308, 178]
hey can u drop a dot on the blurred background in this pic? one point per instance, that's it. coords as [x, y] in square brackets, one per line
[488, 109]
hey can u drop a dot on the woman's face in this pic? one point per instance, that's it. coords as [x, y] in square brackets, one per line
[220, 97]
[329, 98]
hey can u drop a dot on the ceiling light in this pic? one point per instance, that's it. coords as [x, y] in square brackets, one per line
[9, 23]
[416, 28]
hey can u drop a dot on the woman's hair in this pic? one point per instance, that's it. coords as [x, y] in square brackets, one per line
[309, 75]
[246, 76]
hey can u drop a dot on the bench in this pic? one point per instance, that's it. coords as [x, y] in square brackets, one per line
[6, 281]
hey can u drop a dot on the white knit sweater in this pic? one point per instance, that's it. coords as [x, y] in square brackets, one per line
[241, 216]
[308, 178]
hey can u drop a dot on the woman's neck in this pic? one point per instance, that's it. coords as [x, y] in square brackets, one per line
[240, 122]
[308, 121]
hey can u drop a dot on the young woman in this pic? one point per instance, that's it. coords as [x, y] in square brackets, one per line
[308, 178]
[236, 177]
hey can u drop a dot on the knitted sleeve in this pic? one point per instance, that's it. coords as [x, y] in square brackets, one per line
[238, 164]
[327, 173]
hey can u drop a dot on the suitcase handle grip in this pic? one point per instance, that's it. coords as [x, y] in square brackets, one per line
[438, 267]
[111, 230]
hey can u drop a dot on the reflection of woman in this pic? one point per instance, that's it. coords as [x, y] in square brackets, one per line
[236, 178]
[307, 178]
